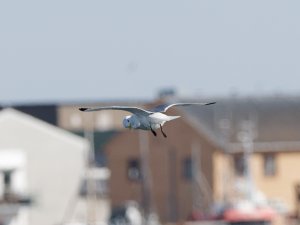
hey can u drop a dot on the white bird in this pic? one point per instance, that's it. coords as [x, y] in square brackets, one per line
[145, 119]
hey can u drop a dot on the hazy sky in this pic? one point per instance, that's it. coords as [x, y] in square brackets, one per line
[82, 50]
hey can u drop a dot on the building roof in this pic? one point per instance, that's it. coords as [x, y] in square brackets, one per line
[272, 120]
[13, 116]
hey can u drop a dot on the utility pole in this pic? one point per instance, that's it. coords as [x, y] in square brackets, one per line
[146, 175]
[91, 196]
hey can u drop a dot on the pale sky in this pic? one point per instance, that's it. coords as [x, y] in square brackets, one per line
[86, 50]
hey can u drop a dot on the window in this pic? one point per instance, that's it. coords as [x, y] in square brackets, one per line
[188, 168]
[239, 164]
[75, 121]
[269, 165]
[134, 170]
[104, 121]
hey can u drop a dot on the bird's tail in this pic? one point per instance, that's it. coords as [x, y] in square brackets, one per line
[173, 117]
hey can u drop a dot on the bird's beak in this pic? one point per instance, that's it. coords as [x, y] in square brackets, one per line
[129, 126]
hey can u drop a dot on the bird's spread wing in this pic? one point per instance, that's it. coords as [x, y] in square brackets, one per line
[134, 110]
[165, 107]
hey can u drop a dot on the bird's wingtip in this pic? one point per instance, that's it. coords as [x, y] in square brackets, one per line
[210, 103]
[83, 109]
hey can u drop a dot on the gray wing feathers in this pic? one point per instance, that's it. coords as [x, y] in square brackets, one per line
[134, 110]
[139, 111]
[165, 107]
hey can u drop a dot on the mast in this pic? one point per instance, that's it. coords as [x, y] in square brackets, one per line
[246, 136]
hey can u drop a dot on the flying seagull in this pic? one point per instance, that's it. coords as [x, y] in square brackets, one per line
[146, 119]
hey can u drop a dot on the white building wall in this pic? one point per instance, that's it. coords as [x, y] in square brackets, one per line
[55, 163]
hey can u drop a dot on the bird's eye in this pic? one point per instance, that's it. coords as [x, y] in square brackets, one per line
[128, 121]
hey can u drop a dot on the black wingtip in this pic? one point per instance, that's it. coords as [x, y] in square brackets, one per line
[210, 103]
[82, 109]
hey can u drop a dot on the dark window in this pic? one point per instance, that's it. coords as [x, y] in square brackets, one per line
[239, 164]
[188, 168]
[134, 170]
[7, 184]
[7, 178]
[269, 165]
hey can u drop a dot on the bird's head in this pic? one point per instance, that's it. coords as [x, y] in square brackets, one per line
[127, 122]
[131, 122]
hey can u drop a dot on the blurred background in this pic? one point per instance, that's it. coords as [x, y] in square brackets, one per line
[235, 162]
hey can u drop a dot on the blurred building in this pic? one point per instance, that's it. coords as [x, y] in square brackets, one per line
[218, 132]
[202, 161]
[269, 128]
[41, 169]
